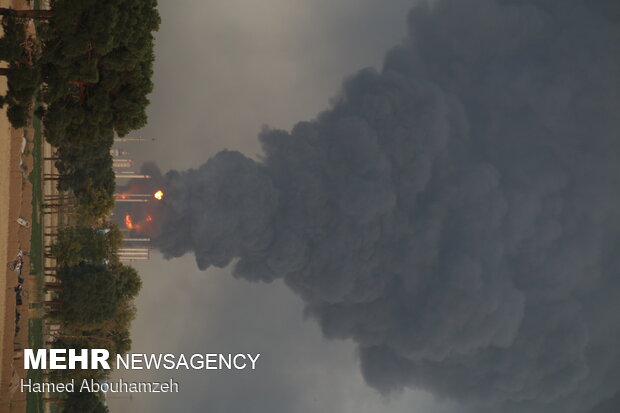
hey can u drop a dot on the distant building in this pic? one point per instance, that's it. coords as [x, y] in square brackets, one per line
[122, 163]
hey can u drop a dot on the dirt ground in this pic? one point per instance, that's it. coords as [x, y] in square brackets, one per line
[15, 201]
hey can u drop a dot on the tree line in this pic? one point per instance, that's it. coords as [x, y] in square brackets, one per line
[93, 299]
[92, 73]
[89, 69]
[23, 76]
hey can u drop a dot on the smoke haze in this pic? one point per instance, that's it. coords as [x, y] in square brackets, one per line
[455, 214]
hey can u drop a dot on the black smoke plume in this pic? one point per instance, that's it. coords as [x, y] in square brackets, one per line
[456, 214]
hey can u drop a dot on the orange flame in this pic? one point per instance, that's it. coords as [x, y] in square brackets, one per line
[149, 218]
[128, 222]
[159, 195]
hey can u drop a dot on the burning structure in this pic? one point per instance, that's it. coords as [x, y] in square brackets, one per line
[136, 223]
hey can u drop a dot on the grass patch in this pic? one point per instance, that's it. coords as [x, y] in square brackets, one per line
[34, 401]
[36, 240]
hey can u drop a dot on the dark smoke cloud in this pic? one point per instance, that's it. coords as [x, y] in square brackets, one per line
[456, 214]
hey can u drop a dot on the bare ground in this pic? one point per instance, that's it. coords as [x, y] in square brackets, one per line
[15, 201]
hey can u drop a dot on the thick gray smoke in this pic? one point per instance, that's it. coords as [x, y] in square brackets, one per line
[456, 214]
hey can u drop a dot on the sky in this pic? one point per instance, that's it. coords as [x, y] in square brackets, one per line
[448, 222]
[223, 71]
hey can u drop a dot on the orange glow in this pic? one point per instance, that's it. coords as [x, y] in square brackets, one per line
[128, 222]
[159, 195]
[149, 218]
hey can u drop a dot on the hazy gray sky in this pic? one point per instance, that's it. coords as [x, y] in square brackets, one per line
[223, 70]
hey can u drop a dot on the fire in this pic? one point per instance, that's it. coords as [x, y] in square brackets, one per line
[128, 222]
[149, 218]
[159, 195]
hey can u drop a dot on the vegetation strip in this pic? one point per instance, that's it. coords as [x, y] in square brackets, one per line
[83, 81]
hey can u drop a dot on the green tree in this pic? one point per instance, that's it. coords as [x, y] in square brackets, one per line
[27, 14]
[23, 84]
[86, 244]
[11, 43]
[96, 65]
[90, 42]
[128, 282]
[23, 75]
[92, 294]
[84, 402]
[78, 341]
[89, 295]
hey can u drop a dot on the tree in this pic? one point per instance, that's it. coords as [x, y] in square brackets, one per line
[86, 170]
[84, 402]
[106, 48]
[76, 340]
[94, 201]
[27, 14]
[96, 64]
[92, 293]
[128, 282]
[23, 76]
[18, 115]
[11, 43]
[86, 244]
[23, 84]
[89, 295]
